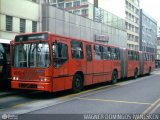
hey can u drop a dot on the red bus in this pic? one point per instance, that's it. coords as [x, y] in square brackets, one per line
[49, 62]
[5, 77]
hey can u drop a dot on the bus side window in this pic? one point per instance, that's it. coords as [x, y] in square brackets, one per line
[137, 56]
[105, 53]
[109, 53]
[130, 55]
[133, 55]
[97, 52]
[60, 54]
[117, 53]
[89, 52]
[77, 49]
[113, 54]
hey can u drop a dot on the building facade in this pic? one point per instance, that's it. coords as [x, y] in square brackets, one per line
[158, 31]
[158, 44]
[128, 10]
[86, 8]
[89, 19]
[62, 22]
[158, 48]
[148, 32]
[79, 7]
[18, 16]
[158, 53]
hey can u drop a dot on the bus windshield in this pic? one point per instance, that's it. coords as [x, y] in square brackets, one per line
[33, 55]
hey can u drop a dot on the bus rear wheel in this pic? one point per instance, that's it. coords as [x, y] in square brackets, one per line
[114, 77]
[77, 84]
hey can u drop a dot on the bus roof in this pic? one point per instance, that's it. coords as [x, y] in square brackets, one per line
[6, 41]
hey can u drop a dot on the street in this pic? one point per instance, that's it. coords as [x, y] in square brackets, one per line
[140, 96]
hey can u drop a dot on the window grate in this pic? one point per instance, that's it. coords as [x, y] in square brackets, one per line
[34, 26]
[9, 23]
[22, 25]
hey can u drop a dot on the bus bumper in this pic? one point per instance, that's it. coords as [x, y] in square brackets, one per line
[31, 86]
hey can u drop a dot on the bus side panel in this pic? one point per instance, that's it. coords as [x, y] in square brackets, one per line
[98, 71]
[107, 70]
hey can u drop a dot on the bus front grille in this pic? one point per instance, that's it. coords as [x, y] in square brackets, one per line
[22, 85]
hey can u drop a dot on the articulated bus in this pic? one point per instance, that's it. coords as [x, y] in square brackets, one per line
[50, 62]
[5, 78]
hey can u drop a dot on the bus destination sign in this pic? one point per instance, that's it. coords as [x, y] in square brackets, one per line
[29, 37]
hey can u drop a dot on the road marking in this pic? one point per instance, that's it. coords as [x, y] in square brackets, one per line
[63, 99]
[151, 107]
[97, 90]
[155, 108]
[92, 91]
[115, 101]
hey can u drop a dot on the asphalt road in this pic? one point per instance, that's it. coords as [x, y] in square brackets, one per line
[134, 97]
[140, 96]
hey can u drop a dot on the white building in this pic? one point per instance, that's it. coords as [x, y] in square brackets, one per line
[19, 16]
[125, 9]
[158, 31]
[128, 10]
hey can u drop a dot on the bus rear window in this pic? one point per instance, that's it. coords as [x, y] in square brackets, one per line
[23, 38]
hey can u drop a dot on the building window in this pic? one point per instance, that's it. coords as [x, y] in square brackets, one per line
[76, 4]
[68, 5]
[61, 5]
[76, 12]
[60, 1]
[34, 26]
[34, 0]
[84, 0]
[53, 1]
[9, 23]
[84, 11]
[22, 25]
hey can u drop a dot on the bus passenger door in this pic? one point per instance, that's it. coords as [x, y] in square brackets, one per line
[1, 60]
[60, 62]
[89, 68]
[1, 64]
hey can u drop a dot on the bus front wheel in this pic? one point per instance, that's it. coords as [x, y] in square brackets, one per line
[77, 84]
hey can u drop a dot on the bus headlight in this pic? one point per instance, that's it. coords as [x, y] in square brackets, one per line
[44, 79]
[15, 78]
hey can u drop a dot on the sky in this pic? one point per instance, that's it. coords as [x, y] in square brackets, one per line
[152, 7]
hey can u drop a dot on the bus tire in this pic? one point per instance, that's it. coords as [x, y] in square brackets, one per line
[114, 77]
[77, 84]
[136, 73]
